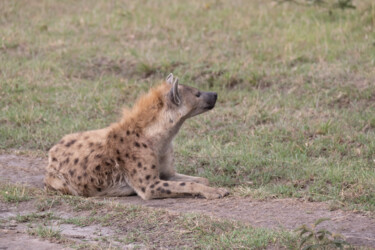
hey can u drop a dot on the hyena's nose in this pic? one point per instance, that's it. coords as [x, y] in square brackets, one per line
[211, 98]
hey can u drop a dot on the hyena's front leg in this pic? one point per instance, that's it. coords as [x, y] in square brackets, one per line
[188, 178]
[168, 189]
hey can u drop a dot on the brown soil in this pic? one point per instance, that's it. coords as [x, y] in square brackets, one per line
[358, 229]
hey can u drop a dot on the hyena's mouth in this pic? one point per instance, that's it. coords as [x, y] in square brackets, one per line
[209, 107]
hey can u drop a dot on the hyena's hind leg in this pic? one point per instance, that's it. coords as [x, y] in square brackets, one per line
[54, 182]
[118, 191]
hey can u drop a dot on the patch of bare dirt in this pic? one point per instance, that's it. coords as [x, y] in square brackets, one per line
[358, 229]
[16, 240]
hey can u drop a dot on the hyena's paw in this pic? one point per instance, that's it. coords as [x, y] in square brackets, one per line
[216, 194]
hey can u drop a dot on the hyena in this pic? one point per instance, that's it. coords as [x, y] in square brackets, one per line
[134, 155]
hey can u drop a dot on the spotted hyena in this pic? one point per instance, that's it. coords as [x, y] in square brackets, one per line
[134, 155]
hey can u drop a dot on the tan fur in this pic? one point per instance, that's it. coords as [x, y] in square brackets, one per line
[134, 155]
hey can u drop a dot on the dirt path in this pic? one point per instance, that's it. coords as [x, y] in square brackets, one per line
[281, 213]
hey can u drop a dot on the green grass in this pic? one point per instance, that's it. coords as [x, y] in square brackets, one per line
[14, 193]
[46, 232]
[295, 115]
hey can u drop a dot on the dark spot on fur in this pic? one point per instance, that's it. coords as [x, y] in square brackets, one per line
[76, 161]
[157, 182]
[54, 159]
[84, 166]
[127, 155]
[91, 144]
[148, 177]
[153, 167]
[114, 136]
[107, 173]
[154, 177]
[70, 143]
[64, 184]
[119, 159]
[85, 174]
[80, 145]
[137, 144]
[127, 132]
[79, 177]
[152, 191]
[144, 168]
[143, 189]
[162, 190]
[121, 139]
[62, 142]
[182, 184]
[92, 179]
[98, 156]
[97, 168]
[139, 165]
[140, 180]
[117, 151]
[159, 188]
[67, 160]
[134, 158]
[86, 159]
[165, 184]
[169, 192]
[137, 134]
[134, 171]
[85, 186]
[99, 189]
[86, 137]
[144, 145]
[71, 172]
[152, 186]
[91, 151]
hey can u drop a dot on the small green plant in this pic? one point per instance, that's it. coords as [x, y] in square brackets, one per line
[14, 194]
[45, 232]
[314, 238]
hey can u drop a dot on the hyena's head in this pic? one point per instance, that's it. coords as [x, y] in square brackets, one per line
[185, 101]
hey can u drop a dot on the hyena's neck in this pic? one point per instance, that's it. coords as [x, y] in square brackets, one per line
[162, 133]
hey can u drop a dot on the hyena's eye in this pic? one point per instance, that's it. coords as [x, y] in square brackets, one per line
[198, 94]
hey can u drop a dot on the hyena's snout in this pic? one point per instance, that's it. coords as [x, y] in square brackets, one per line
[210, 99]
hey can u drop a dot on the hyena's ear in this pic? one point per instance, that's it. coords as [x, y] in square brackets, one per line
[175, 96]
[170, 78]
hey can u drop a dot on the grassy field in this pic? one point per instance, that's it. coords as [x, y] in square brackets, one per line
[296, 109]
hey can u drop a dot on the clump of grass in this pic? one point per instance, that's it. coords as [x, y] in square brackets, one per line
[314, 238]
[46, 203]
[45, 232]
[14, 193]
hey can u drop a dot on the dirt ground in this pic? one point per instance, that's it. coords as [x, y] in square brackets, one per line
[357, 228]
